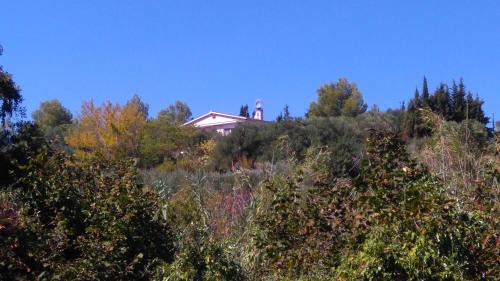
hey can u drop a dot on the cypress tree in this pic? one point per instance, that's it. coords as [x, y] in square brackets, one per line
[411, 123]
[458, 101]
[417, 101]
[441, 101]
[244, 111]
[410, 120]
[476, 107]
[470, 107]
[280, 117]
[286, 113]
[425, 94]
[451, 106]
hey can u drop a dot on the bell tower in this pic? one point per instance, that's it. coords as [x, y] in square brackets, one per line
[259, 112]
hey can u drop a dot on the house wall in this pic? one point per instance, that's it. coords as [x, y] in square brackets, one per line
[221, 123]
[215, 120]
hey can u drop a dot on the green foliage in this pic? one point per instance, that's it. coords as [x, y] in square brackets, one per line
[200, 255]
[324, 203]
[391, 120]
[299, 223]
[54, 120]
[243, 146]
[10, 96]
[244, 111]
[17, 148]
[81, 221]
[284, 115]
[249, 143]
[393, 222]
[160, 141]
[51, 114]
[176, 113]
[336, 99]
[415, 232]
[459, 154]
[459, 105]
[200, 258]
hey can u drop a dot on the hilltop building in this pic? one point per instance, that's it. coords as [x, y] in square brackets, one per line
[223, 123]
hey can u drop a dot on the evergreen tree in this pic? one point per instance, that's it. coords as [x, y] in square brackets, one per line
[456, 106]
[286, 113]
[280, 117]
[425, 94]
[410, 120]
[342, 98]
[244, 111]
[441, 102]
[476, 110]
[458, 101]
[417, 101]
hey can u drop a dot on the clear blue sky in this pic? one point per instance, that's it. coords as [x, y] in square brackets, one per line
[221, 54]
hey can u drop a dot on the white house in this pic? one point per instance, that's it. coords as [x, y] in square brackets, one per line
[223, 123]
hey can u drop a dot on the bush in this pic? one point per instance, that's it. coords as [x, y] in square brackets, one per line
[415, 231]
[248, 144]
[87, 221]
[201, 256]
[299, 223]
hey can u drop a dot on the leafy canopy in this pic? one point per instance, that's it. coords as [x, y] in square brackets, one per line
[177, 113]
[110, 131]
[10, 94]
[336, 99]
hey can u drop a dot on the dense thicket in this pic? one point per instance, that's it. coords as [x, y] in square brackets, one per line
[64, 220]
[344, 194]
[391, 222]
[342, 136]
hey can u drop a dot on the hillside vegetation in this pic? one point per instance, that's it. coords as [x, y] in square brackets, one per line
[340, 194]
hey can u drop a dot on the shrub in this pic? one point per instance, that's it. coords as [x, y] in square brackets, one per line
[89, 221]
[201, 256]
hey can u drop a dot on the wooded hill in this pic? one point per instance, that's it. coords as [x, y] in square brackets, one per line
[340, 194]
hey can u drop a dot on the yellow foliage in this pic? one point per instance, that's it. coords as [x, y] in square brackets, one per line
[206, 149]
[110, 131]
